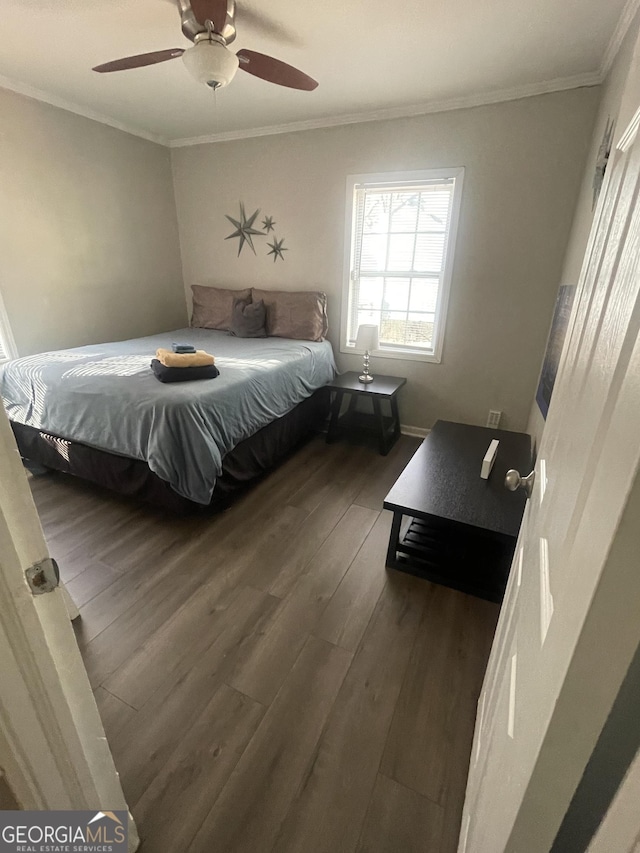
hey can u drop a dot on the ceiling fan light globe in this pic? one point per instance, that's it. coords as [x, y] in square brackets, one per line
[210, 62]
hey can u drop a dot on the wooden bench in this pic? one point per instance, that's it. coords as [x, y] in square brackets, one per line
[449, 525]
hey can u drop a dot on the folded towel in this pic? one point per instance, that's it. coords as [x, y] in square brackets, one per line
[183, 374]
[199, 358]
[183, 347]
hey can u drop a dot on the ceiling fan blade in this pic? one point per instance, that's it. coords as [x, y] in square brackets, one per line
[139, 61]
[274, 70]
[210, 10]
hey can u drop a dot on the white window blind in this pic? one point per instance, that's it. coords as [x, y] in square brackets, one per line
[400, 260]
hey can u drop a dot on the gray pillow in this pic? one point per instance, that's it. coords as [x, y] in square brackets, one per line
[248, 319]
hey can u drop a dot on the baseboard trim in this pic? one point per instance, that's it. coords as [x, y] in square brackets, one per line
[417, 432]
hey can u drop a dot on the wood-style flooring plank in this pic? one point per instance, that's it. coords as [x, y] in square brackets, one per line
[258, 558]
[143, 601]
[330, 805]
[380, 478]
[86, 585]
[252, 805]
[214, 572]
[310, 493]
[137, 540]
[146, 744]
[135, 543]
[105, 608]
[114, 713]
[347, 613]
[182, 794]
[186, 634]
[91, 531]
[432, 728]
[400, 820]
[265, 665]
[276, 489]
[113, 646]
[279, 575]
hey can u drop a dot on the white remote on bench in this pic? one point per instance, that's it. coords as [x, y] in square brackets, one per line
[489, 459]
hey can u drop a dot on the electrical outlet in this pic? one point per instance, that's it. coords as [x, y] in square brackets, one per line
[493, 421]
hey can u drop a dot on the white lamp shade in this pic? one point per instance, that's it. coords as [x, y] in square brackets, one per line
[367, 338]
[211, 63]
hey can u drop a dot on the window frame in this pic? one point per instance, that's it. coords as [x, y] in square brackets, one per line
[7, 341]
[394, 178]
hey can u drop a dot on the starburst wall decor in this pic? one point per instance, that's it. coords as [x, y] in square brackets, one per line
[244, 229]
[277, 249]
[245, 232]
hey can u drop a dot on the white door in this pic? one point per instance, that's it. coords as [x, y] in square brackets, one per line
[570, 620]
[53, 750]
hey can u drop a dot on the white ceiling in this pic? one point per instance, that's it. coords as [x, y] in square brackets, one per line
[368, 56]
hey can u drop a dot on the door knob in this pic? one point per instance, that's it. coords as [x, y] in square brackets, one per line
[514, 481]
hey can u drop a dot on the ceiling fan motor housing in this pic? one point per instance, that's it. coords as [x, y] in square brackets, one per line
[211, 63]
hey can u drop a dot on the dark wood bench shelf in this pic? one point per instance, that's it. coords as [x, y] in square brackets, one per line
[449, 525]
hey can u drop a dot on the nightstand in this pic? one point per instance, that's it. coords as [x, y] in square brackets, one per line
[386, 426]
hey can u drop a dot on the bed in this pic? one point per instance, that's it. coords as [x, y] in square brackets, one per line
[99, 412]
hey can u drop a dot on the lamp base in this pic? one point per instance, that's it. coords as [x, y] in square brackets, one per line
[365, 378]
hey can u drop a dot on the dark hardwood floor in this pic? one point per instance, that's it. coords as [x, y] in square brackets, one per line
[264, 682]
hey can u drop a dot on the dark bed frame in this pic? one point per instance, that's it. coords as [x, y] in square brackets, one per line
[249, 460]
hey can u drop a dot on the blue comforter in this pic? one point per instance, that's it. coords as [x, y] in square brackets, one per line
[106, 396]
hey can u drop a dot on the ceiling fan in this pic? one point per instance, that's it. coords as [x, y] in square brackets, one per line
[210, 25]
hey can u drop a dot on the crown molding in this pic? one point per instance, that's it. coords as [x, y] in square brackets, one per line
[622, 27]
[513, 94]
[69, 106]
[408, 111]
[595, 78]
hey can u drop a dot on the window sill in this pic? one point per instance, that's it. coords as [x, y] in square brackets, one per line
[403, 355]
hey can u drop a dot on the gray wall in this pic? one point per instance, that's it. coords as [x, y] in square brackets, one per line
[610, 108]
[88, 233]
[524, 161]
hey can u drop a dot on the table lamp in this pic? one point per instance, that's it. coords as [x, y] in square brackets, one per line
[367, 340]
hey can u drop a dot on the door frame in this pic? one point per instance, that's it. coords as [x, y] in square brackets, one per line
[53, 749]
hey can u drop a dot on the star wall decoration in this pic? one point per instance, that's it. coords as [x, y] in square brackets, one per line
[244, 229]
[277, 249]
[268, 224]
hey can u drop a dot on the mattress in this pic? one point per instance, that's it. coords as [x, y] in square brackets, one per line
[105, 396]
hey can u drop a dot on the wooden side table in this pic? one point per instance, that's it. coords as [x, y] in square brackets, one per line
[387, 426]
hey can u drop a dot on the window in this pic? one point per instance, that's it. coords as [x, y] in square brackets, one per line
[401, 231]
[7, 344]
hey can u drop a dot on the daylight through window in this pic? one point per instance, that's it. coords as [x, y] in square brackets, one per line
[7, 344]
[402, 236]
